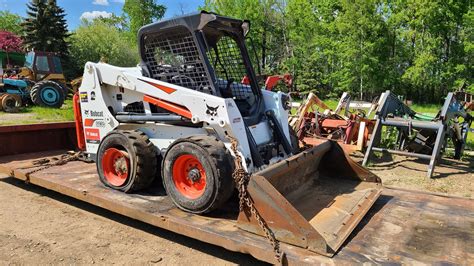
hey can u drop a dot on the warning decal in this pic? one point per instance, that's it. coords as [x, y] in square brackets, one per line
[92, 135]
[83, 96]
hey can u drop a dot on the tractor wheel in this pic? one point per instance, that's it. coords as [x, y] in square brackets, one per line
[127, 160]
[65, 89]
[197, 174]
[47, 93]
[11, 103]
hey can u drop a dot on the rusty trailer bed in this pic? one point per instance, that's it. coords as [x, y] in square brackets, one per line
[402, 226]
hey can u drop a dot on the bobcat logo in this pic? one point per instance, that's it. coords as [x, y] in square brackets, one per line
[212, 111]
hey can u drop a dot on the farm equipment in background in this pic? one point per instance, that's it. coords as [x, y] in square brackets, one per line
[418, 135]
[194, 110]
[41, 82]
[271, 81]
[351, 129]
[466, 99]
[363, 108]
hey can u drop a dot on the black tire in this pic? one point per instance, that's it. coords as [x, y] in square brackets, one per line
[47, 93]
[65, 89]
[142, 156]
[215, 161]
[295, 143]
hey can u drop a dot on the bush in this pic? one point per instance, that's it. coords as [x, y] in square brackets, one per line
[97, 40]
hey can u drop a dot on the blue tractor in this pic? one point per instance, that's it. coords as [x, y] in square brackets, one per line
[13, 93]
[40, 82]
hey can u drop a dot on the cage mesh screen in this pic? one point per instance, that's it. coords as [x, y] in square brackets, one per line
[228, 65]
[174, 58]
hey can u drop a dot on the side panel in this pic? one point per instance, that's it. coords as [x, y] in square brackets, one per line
[273, 101]
[96, 118]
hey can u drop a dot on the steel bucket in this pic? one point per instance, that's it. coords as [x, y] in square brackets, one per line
[314, 199]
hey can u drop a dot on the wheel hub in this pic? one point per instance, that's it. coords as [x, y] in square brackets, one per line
[189, 176]
[120, 165]
[49, 95]
[115, 165]
[194, 175]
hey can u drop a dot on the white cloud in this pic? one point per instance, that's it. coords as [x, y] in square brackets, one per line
[101, 2]
[118, 1]
[95, 14]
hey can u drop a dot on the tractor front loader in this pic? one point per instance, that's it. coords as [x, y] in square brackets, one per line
[193, 115]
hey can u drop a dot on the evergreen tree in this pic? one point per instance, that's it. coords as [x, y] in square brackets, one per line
[59, 29]
[45, 27]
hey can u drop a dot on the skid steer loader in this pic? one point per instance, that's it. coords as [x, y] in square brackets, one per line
[192, 114]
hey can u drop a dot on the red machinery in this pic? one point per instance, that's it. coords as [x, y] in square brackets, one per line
[352, 130]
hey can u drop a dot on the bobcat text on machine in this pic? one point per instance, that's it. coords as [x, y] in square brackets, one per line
[191, 109]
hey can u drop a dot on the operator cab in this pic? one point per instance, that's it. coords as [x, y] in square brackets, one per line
[204, 52]
[43, 63]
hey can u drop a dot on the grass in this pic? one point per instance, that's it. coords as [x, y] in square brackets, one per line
[37, 114]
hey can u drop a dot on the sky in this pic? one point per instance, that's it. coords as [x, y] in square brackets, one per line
[75, 9]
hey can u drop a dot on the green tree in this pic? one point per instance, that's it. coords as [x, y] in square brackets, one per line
[418, 48]
[45, 27]
[119, 22]
[142, 12]
[97, 40]
[10, 22]
[362, 48]
[430, 44]
[466, 66]
[267, 31]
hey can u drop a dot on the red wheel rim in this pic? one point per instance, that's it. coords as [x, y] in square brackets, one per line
[115, 164]
[189, 176]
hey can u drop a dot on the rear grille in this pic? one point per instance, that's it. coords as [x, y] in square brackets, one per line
[174, 58]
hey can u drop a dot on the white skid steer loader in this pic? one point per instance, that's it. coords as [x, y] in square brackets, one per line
[190, 109]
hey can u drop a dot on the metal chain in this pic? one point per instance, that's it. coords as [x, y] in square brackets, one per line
[48, 163]
[241, 178]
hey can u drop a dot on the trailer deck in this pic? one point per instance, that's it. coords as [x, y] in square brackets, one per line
[402, 226]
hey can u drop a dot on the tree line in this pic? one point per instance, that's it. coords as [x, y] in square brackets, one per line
[418, 48]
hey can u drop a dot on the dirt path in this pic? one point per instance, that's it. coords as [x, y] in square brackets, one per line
[43, 227]
[8, 119]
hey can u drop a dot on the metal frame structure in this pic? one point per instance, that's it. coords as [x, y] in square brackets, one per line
[431, 136]
[351, 130]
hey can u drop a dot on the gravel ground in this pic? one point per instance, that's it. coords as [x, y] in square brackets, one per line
[450, 176]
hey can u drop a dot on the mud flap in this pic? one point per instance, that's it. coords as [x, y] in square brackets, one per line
[314, 199]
